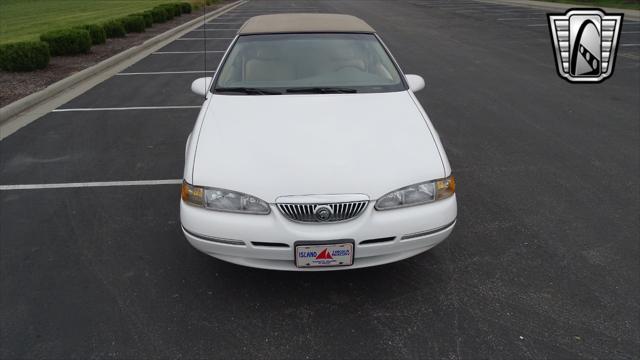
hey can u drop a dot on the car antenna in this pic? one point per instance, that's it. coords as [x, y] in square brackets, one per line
[204, 36]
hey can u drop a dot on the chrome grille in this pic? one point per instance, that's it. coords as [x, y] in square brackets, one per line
[323, 213]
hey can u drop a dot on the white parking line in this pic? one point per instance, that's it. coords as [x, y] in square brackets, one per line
[128, 108]
[538, 25]
[631, 32]
[163, 72]
[625, 45]
[90, 184]
[186, 52]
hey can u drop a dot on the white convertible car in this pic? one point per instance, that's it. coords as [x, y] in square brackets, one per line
[311, 152]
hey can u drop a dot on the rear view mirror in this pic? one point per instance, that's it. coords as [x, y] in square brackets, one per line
[201, 86]
[416, 82]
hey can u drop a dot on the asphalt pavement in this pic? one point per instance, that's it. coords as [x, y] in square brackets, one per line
[543, 263]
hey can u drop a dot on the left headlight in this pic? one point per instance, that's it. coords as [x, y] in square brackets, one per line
[418, 194]
[223, 200]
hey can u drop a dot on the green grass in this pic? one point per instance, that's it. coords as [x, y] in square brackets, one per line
[27, 19]
[621, 4]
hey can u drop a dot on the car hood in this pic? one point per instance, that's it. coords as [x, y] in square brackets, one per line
[272, 146]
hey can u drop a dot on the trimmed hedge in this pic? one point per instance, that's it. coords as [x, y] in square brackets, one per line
[167, 11]
[67, 42]
[172, 10]
[114, 29]
[177, 9]
[148, 18]
[133, 23]
[159, 15]
[185, 7]
[24, 56]
[96, 32]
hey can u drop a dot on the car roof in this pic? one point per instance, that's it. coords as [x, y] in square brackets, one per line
[304, 23]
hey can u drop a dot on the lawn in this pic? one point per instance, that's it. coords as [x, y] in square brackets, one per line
[27, 19]
[622, 4]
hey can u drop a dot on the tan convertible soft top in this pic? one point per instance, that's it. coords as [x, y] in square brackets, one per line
[304, 23]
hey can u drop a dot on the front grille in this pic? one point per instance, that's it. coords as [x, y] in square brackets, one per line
[322, 213]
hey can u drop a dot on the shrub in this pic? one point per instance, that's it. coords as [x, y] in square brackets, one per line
[67, 42]
[168, 11]
[114, 29]
[172, 10]
[185, 7]
[159, 15]
[177, 9]
[96, 32]
[148, 18]
[133, 23]
[24, 56]
[211, 2]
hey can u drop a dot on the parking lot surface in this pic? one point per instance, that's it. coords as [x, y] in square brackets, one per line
[543, 262]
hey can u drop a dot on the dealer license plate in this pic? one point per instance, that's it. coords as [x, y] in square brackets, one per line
[323, 254]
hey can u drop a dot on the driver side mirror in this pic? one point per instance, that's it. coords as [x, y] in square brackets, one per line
[416, 82]
[201, 86]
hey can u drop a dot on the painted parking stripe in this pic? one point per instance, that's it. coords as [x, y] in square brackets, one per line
[164, 72]
[538, 25]
[626, 45]
[90, 184]
[631, 32]
[128, 108]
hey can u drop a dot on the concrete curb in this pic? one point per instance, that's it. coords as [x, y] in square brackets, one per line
[9, 112]
[562, 7]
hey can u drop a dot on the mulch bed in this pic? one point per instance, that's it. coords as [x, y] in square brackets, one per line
[16, 85]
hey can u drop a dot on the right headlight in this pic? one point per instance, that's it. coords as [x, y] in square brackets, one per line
[223, 200]
[418, 194]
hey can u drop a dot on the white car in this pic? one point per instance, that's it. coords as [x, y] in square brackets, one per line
[311, 152]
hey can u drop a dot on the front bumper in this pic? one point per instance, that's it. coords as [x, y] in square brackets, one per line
[266, 241]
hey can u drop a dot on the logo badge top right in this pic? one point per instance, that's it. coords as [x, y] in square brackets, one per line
[585, 43]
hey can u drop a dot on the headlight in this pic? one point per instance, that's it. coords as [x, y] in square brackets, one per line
[418, 194]
[223, 200]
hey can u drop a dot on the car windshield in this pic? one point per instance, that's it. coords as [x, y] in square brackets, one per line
[307, 63]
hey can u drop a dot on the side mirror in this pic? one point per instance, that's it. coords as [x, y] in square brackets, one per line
[201, 86]
[416, 82]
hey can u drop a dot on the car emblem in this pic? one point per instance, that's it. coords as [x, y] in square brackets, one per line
[585, 43]
[323, 212]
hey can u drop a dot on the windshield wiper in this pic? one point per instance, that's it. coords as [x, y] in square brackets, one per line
[321, 90]
[248, 91]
